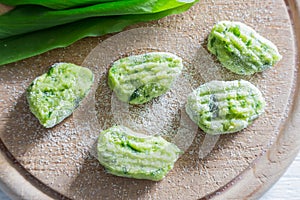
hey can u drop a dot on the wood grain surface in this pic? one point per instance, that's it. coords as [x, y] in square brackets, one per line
[58, 163]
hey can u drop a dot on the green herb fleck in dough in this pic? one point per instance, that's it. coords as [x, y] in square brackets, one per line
[126, 153]
[140, 78]
[53, 96]
[241, 49]
[219, 107]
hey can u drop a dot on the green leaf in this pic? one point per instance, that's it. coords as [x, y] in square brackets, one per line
[26, 19]
[54, 4]
[26, 45]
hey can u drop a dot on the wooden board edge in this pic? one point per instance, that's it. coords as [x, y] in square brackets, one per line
[11, 178]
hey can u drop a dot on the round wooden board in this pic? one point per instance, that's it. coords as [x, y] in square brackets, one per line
[38, 163]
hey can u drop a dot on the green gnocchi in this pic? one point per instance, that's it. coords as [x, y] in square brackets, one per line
[241, 49]
[219, 107]
[138, 79]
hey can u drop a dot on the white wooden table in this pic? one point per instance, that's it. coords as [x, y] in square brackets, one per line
[287, 187]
